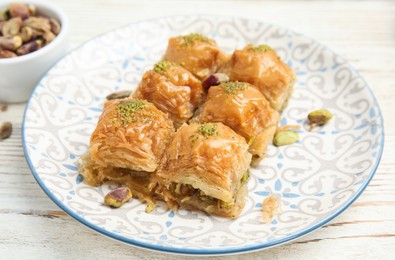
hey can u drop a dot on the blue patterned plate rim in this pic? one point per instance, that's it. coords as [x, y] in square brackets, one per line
[210, 252]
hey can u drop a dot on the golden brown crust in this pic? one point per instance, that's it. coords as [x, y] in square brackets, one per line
[174, 91]
[213, 164]
[245, 110]
[198, 54]
[262, 68]
[125, 138]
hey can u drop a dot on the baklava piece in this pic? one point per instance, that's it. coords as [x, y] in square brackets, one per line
[127, 145]
[243, 108]
[197, 53]
[205, 168]
[172, 89]
[263, 68]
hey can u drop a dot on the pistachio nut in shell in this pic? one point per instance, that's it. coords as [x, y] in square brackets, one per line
[12, 26]
[32, 9]
[30, 47]
[319, 117]
[40, 23]
[285, 137]
[55, 26]
[7, 54]
[18, 10]
[4, 14]
[27, 34]
[10, 43]
[48, 37]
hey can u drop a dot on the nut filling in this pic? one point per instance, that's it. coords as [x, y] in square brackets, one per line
[190, 195]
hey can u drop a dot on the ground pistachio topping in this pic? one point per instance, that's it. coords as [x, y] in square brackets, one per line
[207, 129]
[163, 66]
[194, 138]
[261, 47]
[233, 87]
[192, 37]
[127, 109]
[245, 176]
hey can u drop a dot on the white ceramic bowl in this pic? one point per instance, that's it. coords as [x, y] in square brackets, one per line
[19, 75]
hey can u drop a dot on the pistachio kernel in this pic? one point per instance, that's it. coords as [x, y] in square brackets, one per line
[127, 110]
[245, 176]
[319, 117]
[163, 66]
[207, 129]
[27, 34]
[233, 87]
[119, 94]
[12, 26]
[215, 80]
[193, 37]
[48, 37]
[118, 197]
[149, 208]
[262, 47]
[285, 137]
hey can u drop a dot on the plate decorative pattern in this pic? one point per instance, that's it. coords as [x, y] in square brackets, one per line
[315, 179]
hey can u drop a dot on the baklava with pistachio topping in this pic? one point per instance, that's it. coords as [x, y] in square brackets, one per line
[197, 53]
[205, 167]
[262, 67]
[127, 145]
[243, 108]
[172, 89]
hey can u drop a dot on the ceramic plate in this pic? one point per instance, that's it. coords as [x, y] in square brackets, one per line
[316, 179]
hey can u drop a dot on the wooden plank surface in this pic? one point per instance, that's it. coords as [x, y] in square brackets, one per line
[33, 227]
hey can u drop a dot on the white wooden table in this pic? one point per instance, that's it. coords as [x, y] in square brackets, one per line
[32, 226]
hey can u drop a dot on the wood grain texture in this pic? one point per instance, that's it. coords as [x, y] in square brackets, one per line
[33, 227]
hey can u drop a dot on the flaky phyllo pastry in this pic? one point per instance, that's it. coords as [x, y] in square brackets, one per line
[205, 167]
[131, 133]
[197, 53]
[244, 109]
[127, 144]
[172, 89]
[222, 126]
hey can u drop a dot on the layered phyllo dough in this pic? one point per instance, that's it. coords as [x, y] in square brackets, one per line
[131, 133]
[127, 145]
[262, 67]
[137, 181]
[243, 108]
[197, 53]
[206, 168]
[172, 89]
